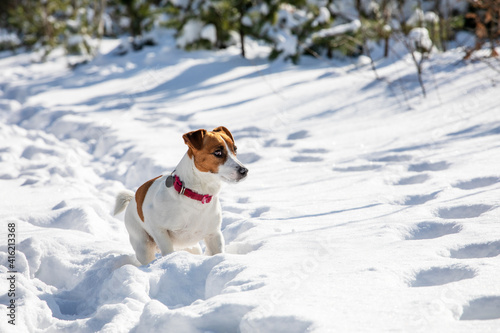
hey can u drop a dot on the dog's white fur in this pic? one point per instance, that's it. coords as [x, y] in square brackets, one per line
[175, 222]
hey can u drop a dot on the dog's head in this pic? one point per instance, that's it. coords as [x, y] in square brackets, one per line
[215, 152]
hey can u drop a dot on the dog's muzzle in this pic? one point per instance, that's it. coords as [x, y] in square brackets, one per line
[242, 171]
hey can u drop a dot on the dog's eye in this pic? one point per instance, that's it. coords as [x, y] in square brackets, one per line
[218, 153]
[235, 149]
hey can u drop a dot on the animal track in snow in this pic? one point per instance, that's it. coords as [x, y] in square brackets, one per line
[437, 276]
[419, 199]
[426, 166]
[431, 230]
[35, 152]
[306, 158]
[298, 135]
[477, 183]
[307, 155]
[233, 209]
[359, 168]
[479, 250]
[249, 158]
[243, 200]
[418, 179]
[259, 211]
[463, 211]
[484, 308]
[248, 132]
[393, 158]
[30, 181]
[314, 151]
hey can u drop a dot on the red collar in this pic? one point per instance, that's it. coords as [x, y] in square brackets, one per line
[179, 187]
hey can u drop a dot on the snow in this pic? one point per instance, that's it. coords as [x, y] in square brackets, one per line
[340, 29]
[323, 16]
[8, 39]
[367, 208]
[286, 42]
[420, 38]
[419, 17]
[416, 19]
[209, 32]
[431, 17]
[246, 21]
[191, 32]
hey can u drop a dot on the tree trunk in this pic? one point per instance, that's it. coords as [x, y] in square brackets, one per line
[241, 10]
[242, 39]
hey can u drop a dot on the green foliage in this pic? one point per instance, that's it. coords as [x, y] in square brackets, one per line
[43, 25]
[292, 28]
[140, 14]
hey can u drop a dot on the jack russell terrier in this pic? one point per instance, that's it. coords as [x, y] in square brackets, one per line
[175, 212]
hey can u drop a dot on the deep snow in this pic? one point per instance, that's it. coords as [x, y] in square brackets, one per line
[367, 207]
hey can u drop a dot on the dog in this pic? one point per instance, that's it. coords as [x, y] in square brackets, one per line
[177, 211]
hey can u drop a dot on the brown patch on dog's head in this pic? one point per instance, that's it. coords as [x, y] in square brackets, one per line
[209, 148]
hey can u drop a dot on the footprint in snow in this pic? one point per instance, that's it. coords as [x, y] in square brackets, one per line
[427, 166]
[35, 152]
[298, 135]
[233, 209]
[477, 183]
[463, 211]
[314, 151]
[249, 158]
[275, 143]
[479, 250]
[393, 158]
[307, 155]
[418, 179]
[243, 200]
[437, 276]
[233, 231]
[419, 199]
[248, 132]
[359, 168]
[259, 211]
[431, 230]
[484, 308]
[306, 158]
[30, 181]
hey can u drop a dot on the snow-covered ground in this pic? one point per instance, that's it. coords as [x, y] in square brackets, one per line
[367, 207]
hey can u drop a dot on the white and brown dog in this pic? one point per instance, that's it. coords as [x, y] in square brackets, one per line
[175, 212]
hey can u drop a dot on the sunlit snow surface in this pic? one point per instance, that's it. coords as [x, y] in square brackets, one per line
[367, 207]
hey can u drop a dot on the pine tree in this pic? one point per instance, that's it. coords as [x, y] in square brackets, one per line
[44, 25]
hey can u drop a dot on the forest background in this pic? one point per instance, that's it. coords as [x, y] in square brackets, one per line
[320, 28]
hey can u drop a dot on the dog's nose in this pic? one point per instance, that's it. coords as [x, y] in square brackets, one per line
[243, 171]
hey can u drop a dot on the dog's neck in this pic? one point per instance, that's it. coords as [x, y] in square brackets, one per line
[194, 179]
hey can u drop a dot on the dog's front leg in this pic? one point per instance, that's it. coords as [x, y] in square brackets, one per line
[214, 243]
[164, 242]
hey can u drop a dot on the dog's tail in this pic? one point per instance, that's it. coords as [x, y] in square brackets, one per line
[122, 200]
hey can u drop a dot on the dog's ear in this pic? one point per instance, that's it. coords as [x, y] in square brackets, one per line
[194, 139]
[224, 130]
